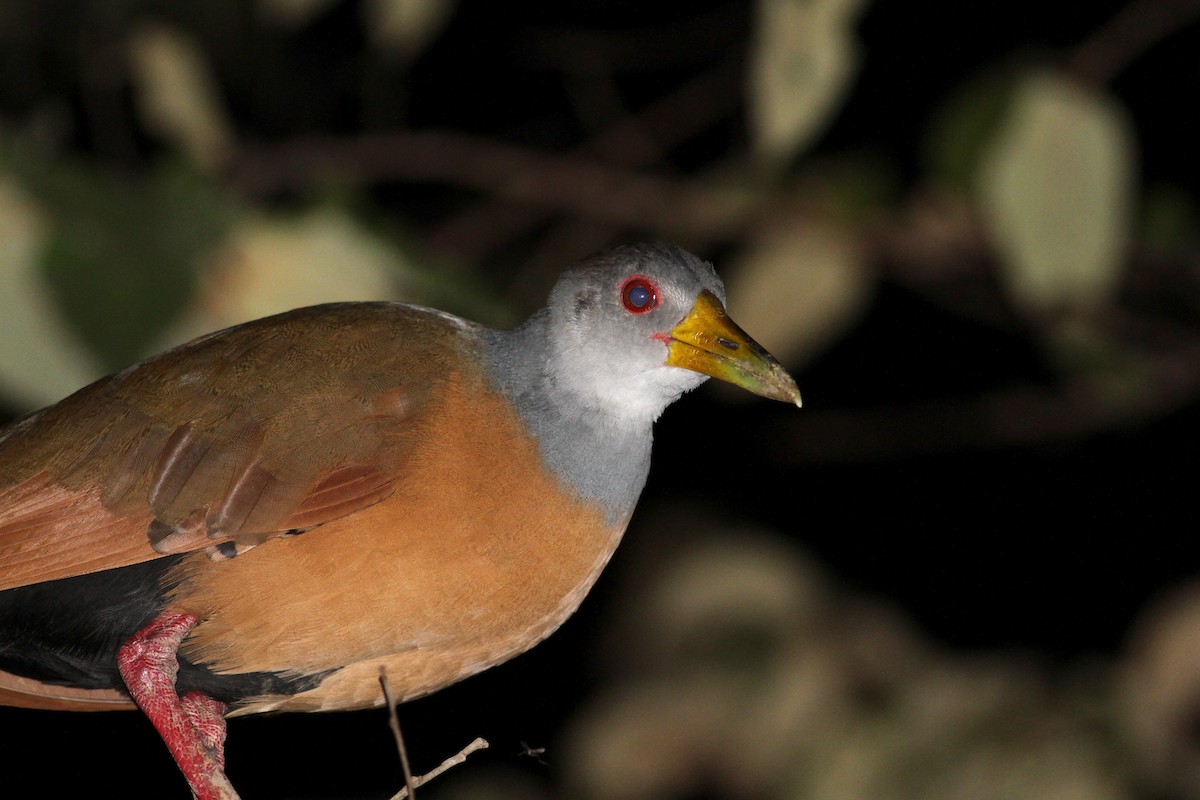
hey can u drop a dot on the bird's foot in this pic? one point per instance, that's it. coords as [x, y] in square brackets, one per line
[207, 716]
[193, 726]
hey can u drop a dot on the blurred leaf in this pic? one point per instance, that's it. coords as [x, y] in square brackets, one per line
[176, 93]
[120, 254]
[1056, 188]
[727, 606]
[1160, 692]
[851, 704]
[853, 187]
[405, 26]
[978, 728]
[648, 739]
[799, 285]
[1119, 375]
[963, 127]
[803, 57]
[40, 360]
[1170, 219]
[269, 265]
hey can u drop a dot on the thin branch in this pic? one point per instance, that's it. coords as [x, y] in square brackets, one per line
[1135, 29]
[394, 724]
[450, 763]
[411, 782]
[638, 140]
[679, 43]
[103, 74]
[524, 187]
[1018, 417]
[564, 184]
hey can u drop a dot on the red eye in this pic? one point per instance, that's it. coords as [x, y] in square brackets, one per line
[639, 295]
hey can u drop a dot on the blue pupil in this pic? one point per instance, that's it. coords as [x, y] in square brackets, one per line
[640, 295]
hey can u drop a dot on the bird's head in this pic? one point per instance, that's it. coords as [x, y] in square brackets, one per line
[638, 326]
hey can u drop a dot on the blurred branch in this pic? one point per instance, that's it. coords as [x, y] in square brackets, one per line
[103, 78]
[681, 42]
[638, 140]
[541, 185]
[936, 247]
[549, 182]
[1130, 33]
[618, 181]
[1157, 385]
[932, 244]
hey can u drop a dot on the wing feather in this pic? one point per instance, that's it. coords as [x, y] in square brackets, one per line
[28, 693]
[250, 433]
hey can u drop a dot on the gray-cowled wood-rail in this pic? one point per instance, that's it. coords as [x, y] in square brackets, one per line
[264, 517]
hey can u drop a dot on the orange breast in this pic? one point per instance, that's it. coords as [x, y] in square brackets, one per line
[478, 555]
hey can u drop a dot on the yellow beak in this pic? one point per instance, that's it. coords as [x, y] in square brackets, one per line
[709, 342]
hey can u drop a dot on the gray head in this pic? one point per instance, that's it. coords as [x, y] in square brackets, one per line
[623, 335]
[610, 323]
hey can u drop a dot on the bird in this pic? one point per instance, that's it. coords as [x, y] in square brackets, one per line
[264, 518]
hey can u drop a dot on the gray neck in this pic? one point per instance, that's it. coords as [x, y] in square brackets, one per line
[599, 454]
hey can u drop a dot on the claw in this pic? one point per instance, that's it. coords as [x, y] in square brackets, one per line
[193, 727]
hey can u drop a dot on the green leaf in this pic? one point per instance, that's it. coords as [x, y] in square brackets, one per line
[803, 58]
[1170, 219]
[176, 94]
[41, 360]
[271, 264]
[120, 253]
[405, 26]
[966, 124]
[1056, 188]
[798, 286]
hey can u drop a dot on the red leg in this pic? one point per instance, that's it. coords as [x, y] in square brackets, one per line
[193, 727]
[208, 718]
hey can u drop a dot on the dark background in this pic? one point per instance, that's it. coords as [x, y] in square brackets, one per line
[1041, 529]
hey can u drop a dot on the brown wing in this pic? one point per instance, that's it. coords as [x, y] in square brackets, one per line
[28, 693]
[278, 425]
